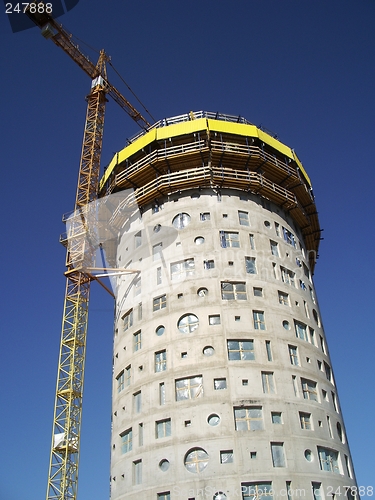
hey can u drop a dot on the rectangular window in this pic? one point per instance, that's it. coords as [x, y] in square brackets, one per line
[189, 388]
[334, 402]
[305, 420]
[252, 241]
[289, 237]
[328, 460]
[120, 381]
[258, 318]
[276, 417]
[140, 311]
[233, 290]
[268, 383]
[250, 265]
[274, 248]
[268, 350]
[137, 287]
[163, 428]
[287, 276]
[128, 375]
[182, 268]
[309, 389]
[164, 496]
[293, 355]
[294, 382]
[137, 341]
[220, 383]
[317, 491]
[284, 298]
[137, 402]
[306, 270]
[301, 330]
[226, 456]
[312, 294]
[248, 418]
[240, 349]
[159, 302]
[138, 239]
[312, 336]
[157, 251]
[209, 264]
[328, 371]
[278, 456]
[158, 276]
[128, 319]
[126, 441]
[205, 216]
[258, 292]
[243, 218]
[257, 491]
[277, 228]
[229, 239]
[322, 344]
[140, 434]
[214, 319]
[162, 393]
[137, 472]
[161, 361]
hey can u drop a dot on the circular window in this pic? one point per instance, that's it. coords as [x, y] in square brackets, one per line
[160, 330]
[196, 460]
[219, 495]
[199, 240]
[208, 350]
[286, 324]
[308, 455]
[213, 419]
[188, 323]
[202, 292]
[164, 464]
[181, 220]
[267, 223]
[157, 228]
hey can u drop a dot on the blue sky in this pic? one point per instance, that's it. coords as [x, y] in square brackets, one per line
[303, 69]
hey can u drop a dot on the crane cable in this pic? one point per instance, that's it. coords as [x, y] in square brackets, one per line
[121, 78]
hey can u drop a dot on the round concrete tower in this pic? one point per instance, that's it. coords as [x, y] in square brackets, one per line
[223, 386]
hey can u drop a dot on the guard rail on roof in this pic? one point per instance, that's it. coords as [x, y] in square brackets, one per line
[193, 115]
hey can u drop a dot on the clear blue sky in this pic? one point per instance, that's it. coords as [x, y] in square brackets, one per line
[304, 69]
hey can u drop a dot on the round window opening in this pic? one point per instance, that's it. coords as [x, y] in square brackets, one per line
[202, 292]
[213, 420]
[160, 330]
[164, 464]
[181, 220]
[219, 495]
[199, 240]
[208, 350]
[286, 325]
[267, 223]
[308, 455]
[196, 460]
[188, 323]
[157, 228]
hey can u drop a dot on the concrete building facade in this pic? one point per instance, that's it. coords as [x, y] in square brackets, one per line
[222, 385]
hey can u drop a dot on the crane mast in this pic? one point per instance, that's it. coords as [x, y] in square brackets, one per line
[65, 446]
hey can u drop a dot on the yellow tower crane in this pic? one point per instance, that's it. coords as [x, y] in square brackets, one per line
[64, 458]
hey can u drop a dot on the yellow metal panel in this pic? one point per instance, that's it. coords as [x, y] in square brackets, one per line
[181, 128]
[122, 155]
[301, 168]
[233, 128]
[274, 143]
